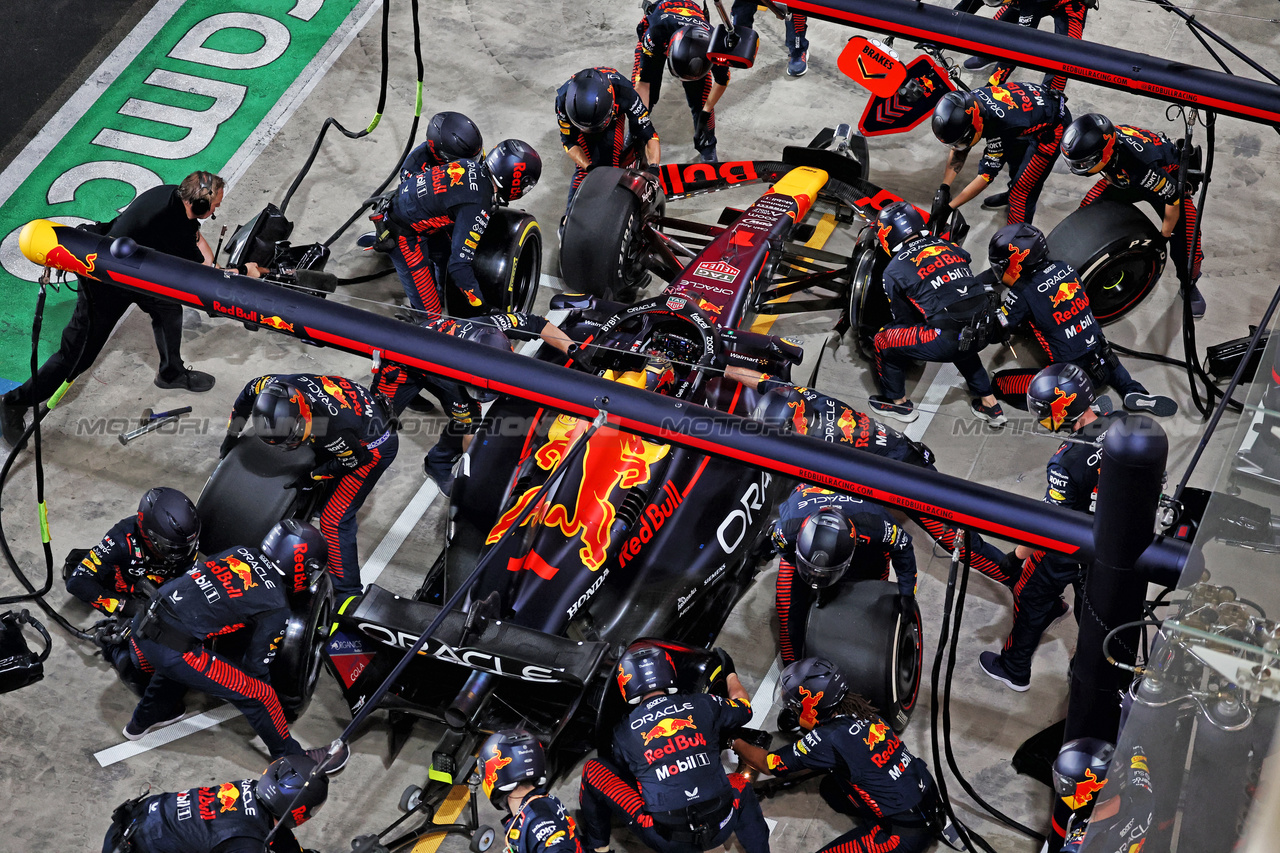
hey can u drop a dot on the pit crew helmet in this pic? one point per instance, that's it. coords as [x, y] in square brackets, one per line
[514, 167]
[957, 121]
[281, 783]
[783, 407]
[687, 52]
[297, 549]
[168, 525]
[1080, 769]
[897, 224]
[282, 415]
[507, 758]
[1088, 144]
[1059, 395]
[812, 688]
[824, 547]
[1016, 249]
[644, 668]
[453, 136]
[588, 102]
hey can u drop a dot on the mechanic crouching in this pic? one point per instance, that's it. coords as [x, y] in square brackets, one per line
[157, 543]
[869, 772]
[665, 778]
[352, 435]
[515, 781]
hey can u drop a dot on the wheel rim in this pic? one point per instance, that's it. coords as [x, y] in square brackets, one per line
[868, 307]
[1117, 286]
[906, 663]
[524, 278]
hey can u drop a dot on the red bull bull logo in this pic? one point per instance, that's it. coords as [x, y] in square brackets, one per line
[974, 112]
[491, 768]
[1059, 408]
[241, 570]
[1003, 95]
[809, 707]
[928, 252]
[1066, 291]
[876, 735]
[1085, 789]
[1017, 257]
[227, 795]
[331, 388]
[277, 323]
[846, 423]
[927, 84]
[668, 727]
[709, 308]
[623, 679]
[882, 236]
[456, 173]
[798, 419]
[59, 257]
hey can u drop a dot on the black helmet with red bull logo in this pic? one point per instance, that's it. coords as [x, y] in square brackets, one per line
[813, 689]
[507, 758]
[282, 415]
[687, 52]
[1017, 249]
[298, 549]
[169, 525]
[897, 224]
[1088, 144]
[1059, 395]
[784, 408]
[824, 547]
[453, 136]
[289, 790]
[957, 121]
[588, 102]
[514, 167]
[643, 669]
[1080, 769]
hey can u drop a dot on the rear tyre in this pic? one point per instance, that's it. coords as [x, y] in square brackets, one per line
[602, 248]
[249, 492]
[297, 664]
[1117, 251]
[869, 310]
[508, 261]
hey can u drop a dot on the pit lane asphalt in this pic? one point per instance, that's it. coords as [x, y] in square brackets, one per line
[501, 64]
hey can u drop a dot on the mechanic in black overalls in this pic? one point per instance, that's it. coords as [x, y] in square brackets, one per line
[439, 216]
[825, 538]
[1068, 20]
[603, 122]
[665, 778]
[1139, 165]
[450, 136]
[514, 769]
[934, 298]
[1005, 116]
[156, 543]
[677, 32]
[233, 817]
[796, 24]
[1060, 398]
[822, 416]
[354, 440]
[1048, 295]
[870, 774]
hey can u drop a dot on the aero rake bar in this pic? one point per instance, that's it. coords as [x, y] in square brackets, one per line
[952, 500]
[1102, 64]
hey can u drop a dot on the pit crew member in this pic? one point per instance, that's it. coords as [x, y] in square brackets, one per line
[796, 24]
[603, 122]
[1048, 295]
[1060, 398]
[233, 817]
[1004, 116]
[870, 774]
[1135, 165]
[156, 543]
[934, 298]
[352, 435]
[665, 776]
[1068, 20]
[439, 215]
[515, 781]
[676, 32]
[450, 136]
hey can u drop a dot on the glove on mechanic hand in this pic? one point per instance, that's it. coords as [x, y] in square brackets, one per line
[582, 358]
[720, 670]
[702, 135]
[230, 441]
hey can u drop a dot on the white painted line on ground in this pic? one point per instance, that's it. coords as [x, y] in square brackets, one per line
[943, 381]
[762, 701]
[399, 532]
[168, 734]
[550, 281]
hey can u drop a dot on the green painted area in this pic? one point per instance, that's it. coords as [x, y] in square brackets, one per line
[252, 91]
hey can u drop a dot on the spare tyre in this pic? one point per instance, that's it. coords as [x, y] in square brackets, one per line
[602, 246]
[1117, 252]
[508, 262]
[873, 636]
[869, 310]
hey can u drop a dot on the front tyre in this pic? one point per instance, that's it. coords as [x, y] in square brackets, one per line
[296, 666]
[602, 249]
[508, 261]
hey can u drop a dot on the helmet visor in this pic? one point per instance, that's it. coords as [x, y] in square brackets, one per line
[170, 549]
[1089, 165]
[816, 574]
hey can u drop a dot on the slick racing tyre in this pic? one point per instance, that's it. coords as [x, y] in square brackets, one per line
[249, 491]
[875, 640]
[1117, 251]
[297, 662]
[508, 262]
[868, 305]
[602, 248]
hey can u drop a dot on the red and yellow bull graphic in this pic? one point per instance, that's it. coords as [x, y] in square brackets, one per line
[227, 795]
[876, 734]
[1058, 409]
[809, 708]
[241, 570]
[59, 257]
[882, 236]
[798, 419]
[927, 252]
[491, 768]
[277, 323]
[623, 679]
[1017, 257]
[846, 423]
[709, 307]
[1066, 291]
[456, 173]
[1085, 789]
[668, 727]
[331, 388]
[1003, 95]
[974, 112]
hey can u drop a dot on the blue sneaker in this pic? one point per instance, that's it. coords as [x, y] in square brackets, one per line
[798, 64]
[991, 665]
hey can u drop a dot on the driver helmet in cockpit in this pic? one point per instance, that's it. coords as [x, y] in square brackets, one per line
[658, 374]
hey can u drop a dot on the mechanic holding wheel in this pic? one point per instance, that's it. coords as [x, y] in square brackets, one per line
[1060, 397]
[157, 543]
[233, 817]
[354, 439]
[241, 589]
[603, 122]
[677, 32]
[870, 774]
[665, 778]
[439, 215]
[1024, 118]
[934, 299]
[515, 781]
[1048, 295]
[1139, 165]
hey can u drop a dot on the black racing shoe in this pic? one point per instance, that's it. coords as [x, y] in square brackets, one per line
[991, 665]
[336, 763]
[904, 411]
[993, 414]
[1152, 404]
[996, 201]
[133, 731]
[441, 471]
[421, 405]
[188, 380]
[12, 422]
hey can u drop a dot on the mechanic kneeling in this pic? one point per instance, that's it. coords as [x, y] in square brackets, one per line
[870, 773]
[157, 543]
[233, 817]
[515, 781]
[665, 778]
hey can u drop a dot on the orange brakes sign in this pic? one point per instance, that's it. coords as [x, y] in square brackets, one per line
[872, 66]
